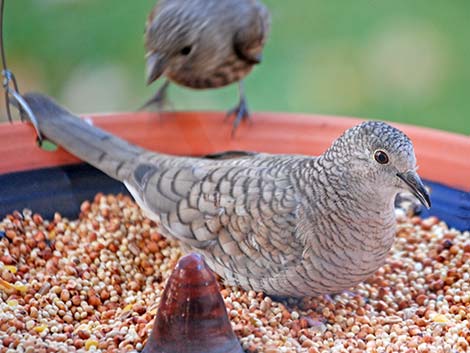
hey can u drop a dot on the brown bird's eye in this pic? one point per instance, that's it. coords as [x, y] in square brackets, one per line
[186, 50]
[381, 157]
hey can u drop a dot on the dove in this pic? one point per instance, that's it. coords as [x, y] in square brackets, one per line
[286, 225]
[204, 44]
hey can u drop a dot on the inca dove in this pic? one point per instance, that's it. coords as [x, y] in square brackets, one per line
[287, 225]
[205, 44]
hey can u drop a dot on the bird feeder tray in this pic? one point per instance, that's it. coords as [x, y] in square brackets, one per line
[49, 181]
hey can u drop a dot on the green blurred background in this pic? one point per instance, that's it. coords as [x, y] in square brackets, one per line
[399, 60]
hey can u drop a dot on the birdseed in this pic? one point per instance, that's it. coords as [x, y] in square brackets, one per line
[94, 285]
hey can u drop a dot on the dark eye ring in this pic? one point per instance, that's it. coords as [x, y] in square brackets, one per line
[381, 157]
[186, 50]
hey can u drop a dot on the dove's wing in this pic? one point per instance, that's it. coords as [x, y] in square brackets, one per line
[237, 209]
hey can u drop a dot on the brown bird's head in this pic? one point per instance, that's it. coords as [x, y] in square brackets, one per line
[204, 43]
[170, 41]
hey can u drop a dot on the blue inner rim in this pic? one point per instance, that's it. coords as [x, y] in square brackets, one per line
[63, 189]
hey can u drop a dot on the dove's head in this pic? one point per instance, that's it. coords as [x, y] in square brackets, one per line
[380, 157]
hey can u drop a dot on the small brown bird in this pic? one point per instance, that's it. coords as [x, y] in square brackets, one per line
[205, 44]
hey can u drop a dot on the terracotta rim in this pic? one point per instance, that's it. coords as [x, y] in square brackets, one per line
[442, 156]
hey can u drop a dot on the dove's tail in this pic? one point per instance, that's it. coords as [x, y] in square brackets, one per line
[104, 151]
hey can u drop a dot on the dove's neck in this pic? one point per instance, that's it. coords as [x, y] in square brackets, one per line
[349, 208]
[348, 229]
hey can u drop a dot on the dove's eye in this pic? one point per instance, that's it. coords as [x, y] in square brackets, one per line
[186, 50]
[381, 157]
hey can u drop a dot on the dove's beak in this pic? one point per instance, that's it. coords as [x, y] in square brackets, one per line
[156, 65]
[416, 186]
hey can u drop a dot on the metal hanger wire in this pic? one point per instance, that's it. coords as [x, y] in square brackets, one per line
[10, 86]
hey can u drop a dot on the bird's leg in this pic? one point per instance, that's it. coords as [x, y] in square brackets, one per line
[283, 299]
[297, 304]
[159, 99]
[241, 110]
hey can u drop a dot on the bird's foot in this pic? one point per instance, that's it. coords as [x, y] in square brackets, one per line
[297, 307]
[159, 100]
[317, 323]
[241, 112]
[286, 301]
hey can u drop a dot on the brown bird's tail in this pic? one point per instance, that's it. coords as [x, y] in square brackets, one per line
[99, 148]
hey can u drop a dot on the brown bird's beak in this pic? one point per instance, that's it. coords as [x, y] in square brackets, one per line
[416, 186]
[156, 65]
[258, 58]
